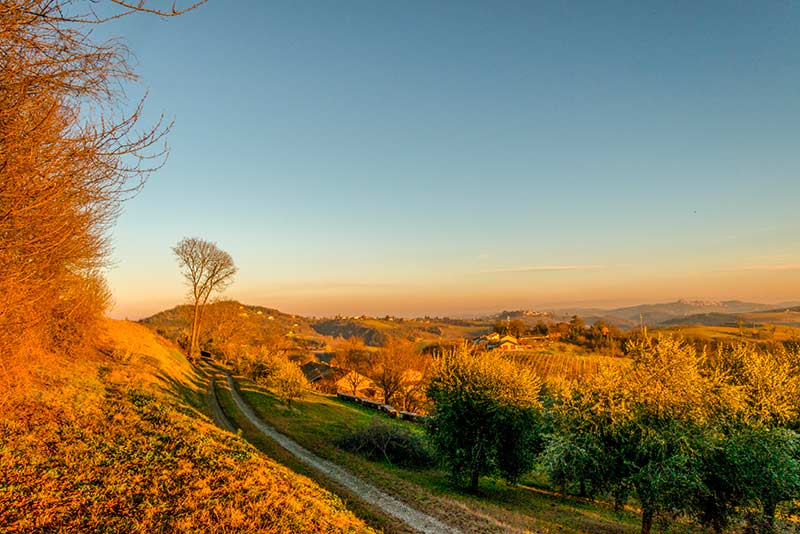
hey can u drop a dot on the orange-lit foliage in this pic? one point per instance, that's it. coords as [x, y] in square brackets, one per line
[565, 365]
[121, 447]
[66, 163]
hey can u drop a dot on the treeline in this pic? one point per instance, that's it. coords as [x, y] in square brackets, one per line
[395, 374]
[398, 371]
[599, 336]
[711, 437]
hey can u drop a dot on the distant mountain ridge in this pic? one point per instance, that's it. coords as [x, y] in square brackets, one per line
[654, 314]
[264, 321]
[711, 312]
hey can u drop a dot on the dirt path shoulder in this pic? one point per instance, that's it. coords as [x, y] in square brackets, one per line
[217, 413]
[414, 518]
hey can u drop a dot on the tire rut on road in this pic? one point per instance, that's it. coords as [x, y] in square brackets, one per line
[391, 506]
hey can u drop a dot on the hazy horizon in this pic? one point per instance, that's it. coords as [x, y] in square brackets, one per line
[440, 158]
[148, 309]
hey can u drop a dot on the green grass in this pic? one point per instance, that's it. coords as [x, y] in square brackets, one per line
[367, 513]
[317, 420]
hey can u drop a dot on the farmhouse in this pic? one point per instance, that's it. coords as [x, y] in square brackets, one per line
[507, 343]
[487, 339]
[321, 376]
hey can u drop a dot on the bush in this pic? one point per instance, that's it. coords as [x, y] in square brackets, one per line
[383, 441]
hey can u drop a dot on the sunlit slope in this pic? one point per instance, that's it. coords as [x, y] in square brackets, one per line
[117, 442]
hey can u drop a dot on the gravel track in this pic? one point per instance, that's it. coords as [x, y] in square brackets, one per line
[415, 519]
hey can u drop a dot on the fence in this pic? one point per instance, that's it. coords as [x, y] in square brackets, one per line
[385, 408]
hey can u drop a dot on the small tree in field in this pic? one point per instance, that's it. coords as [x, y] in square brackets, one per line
[261, 365]
[390, 367]
[207, 269]
[289, 383]
[485, 415]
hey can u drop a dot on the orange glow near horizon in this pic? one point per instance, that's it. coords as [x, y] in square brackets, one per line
[515, 291]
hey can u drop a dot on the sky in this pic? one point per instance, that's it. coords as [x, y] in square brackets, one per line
[415, 158]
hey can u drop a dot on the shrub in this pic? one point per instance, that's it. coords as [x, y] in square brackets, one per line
[381, 441]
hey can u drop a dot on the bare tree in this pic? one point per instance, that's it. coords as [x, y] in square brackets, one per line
[352, 355]
[392, 366]
[207, 269]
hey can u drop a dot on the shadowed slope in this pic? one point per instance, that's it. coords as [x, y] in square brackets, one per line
[117, 442]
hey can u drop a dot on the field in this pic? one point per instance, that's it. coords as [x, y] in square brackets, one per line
[761, 333]
[119, 441]
[563, 360]
[317, 420]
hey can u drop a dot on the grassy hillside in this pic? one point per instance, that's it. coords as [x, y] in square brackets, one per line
[376, 331]
[317, 421]
[240, 324]
[787, 317]
[232, 319]
[764, 333]
[118, 441]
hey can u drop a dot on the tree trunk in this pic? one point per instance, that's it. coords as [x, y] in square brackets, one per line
[195, 321]
[647, 520]
[769, 517]
[474, 477]
[197, 334]
[475, 468]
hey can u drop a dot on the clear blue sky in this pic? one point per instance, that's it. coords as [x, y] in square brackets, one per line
[443, 157]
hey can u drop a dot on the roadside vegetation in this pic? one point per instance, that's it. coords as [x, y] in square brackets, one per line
[101, 424]
[121, 443]
[324, 424]
[669, 438]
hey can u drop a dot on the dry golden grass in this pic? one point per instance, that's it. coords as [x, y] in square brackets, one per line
[115, 443]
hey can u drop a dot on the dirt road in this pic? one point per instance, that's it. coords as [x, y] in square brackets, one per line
[414, 518]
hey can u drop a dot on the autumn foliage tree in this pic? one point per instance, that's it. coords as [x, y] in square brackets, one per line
[390, 367]
[68, 158]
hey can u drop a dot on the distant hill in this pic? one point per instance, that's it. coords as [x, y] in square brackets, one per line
[668, 312]
[258, 325]
[274, 321]
[119, 441]
[531, 318]
[375, 331]
[704, 319]
[231, 321]
[785, 317]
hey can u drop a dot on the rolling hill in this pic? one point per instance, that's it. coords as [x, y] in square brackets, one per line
[118, 441]
[257, 325]
[785, 317]
[666, 313]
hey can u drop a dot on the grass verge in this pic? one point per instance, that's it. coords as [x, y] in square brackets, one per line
[317, 421]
